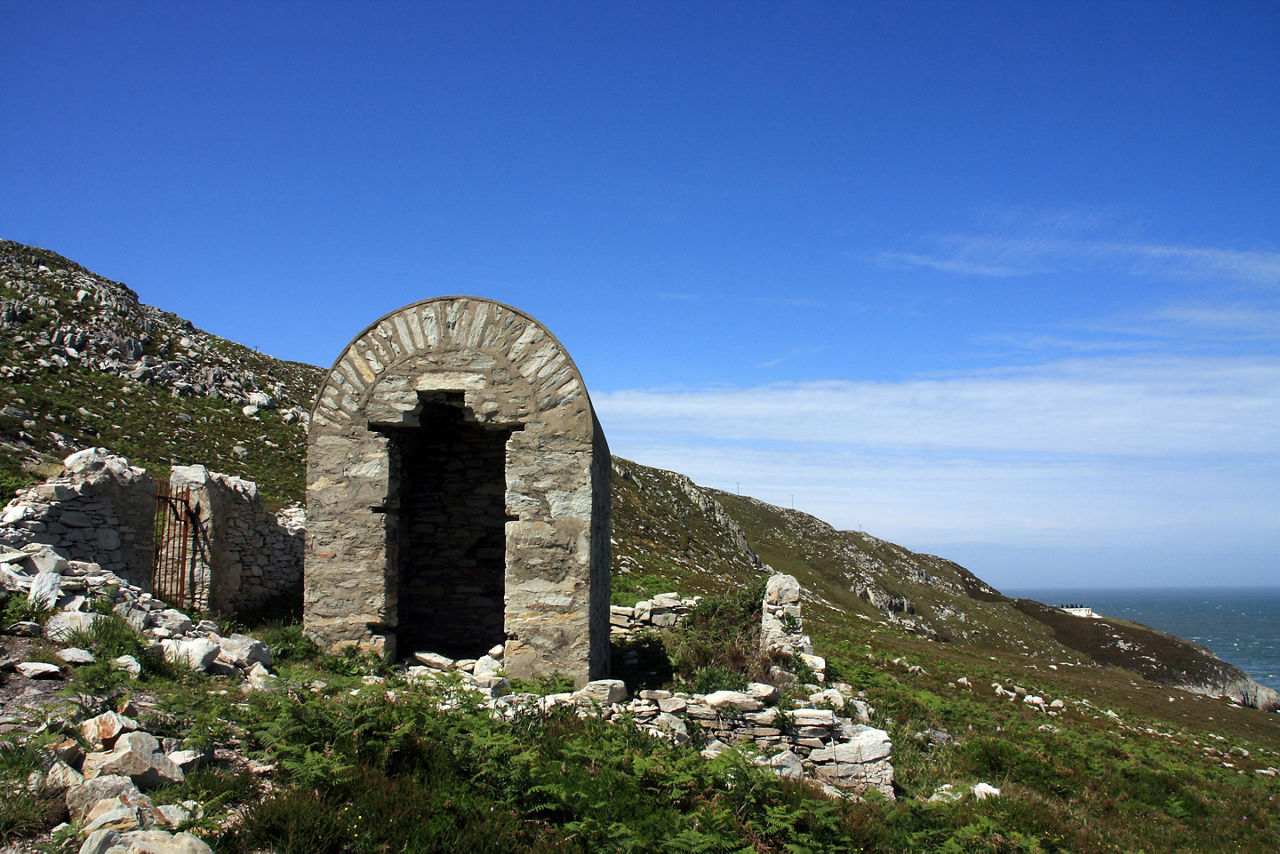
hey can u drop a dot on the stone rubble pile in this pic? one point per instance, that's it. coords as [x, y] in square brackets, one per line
[661, 612]
[103, 787]
[782, 627]
[69, 588]
[824, 737]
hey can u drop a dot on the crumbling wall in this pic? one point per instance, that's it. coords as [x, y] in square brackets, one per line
[102, 510]
[99, 509]
[826, 738]
[249, 556]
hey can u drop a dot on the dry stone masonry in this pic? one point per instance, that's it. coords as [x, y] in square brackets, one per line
[660, 612]
[251, 556]
[823, 736]
[102, 511]
[458, 494]
[99, 509]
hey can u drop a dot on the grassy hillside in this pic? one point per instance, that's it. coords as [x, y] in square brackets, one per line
[1127, 762]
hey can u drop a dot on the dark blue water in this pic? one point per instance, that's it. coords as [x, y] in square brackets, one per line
[1240, 625]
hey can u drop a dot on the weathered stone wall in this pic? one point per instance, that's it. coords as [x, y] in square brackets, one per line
[826, 738]
[371, 557]
[98, 509]
[102, 510]
[661, 612]
[249, 556]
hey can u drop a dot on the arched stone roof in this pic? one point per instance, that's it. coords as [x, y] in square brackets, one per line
[450, 323]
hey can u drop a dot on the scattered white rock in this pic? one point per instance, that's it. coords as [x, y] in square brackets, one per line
[44, 589]
[104, 729]
[732, 702]
[136, 755]
[604, 691]
[434, 660]
[128, 664]
[39, 670]
[63, 624]
[76, 655]
[195, 653]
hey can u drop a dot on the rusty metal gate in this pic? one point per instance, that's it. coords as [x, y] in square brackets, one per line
[177, 563]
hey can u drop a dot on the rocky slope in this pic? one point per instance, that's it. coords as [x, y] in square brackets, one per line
[667, 529]
[84, 363]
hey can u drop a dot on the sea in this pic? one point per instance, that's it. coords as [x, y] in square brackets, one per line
[1241, 625]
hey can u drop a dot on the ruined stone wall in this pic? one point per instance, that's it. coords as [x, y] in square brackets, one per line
[99, 509]
[501, 372]
[249, 555]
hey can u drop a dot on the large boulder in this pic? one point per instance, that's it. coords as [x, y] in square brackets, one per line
[136, 755]
[244, 651]
[195, 653]
[62, 624]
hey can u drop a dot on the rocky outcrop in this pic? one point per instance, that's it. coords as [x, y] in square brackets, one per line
[1155, 655]
[95, 323]
[1241, 690]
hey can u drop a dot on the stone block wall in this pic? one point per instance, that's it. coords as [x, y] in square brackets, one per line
[823, 733]
[99, 509]
[250, 556]
[661, 612]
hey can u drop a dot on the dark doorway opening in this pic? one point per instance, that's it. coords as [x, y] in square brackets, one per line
[451, 531]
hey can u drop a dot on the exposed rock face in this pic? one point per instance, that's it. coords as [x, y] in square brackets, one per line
[104, 327]
[1242, 690]
[1155, 655]
[458, 494]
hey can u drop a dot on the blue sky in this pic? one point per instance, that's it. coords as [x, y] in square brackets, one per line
[999, 281]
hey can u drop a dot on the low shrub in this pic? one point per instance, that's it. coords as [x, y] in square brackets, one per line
[718, 643]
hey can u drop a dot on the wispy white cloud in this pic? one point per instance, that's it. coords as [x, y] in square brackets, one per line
[787, 302]
[1183, 327]
[1252, 320]
[1004, 255]
[951, 264]
[1106, 451]
[1101, 406]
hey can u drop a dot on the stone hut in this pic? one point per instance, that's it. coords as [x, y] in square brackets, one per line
[458, 494]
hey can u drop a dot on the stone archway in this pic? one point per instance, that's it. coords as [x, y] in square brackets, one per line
[458, 494]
